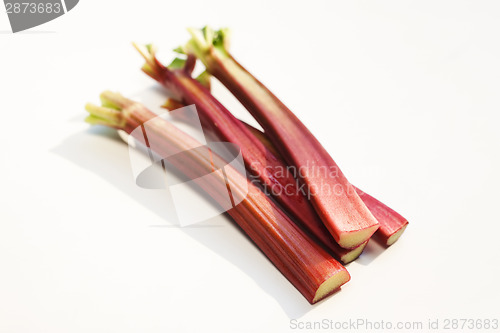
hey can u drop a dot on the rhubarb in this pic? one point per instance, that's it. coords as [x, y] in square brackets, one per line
[335, 200]
[313, 225]
[261, 163]
[392, 224]
[303, 262]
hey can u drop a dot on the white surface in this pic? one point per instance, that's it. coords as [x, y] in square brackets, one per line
[403, 94]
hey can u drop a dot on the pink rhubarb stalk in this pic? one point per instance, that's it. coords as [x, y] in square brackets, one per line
[392, 224]
[313, 226]
[260, 162]
[335, 200]
[303, 262]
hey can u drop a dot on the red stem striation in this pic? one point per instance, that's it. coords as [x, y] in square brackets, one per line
[303, 262]
[392, 224]
[260, 162]
[335, 200]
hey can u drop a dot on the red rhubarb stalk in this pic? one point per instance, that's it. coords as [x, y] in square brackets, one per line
[260, 162]
[392, 224]
[303, 262]
[335, 200]
[313, 226]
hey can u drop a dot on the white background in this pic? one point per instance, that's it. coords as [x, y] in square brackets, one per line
[403, 94]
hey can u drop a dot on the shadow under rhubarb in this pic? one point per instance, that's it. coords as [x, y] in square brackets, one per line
[83, 150]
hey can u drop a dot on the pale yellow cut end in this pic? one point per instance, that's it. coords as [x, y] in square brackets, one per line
[331, 285]
[353, 254]
[350, 240]
[395, 236]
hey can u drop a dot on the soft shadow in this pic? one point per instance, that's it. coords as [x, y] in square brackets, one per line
[371, 252]
[101, 151]
[25, 32]
[35, 32]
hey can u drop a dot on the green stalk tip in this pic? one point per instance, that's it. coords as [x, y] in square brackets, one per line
[93, 120]
[152, 67]
[180, 50]
[222, 39]
[116, 100]
[204, 78]
[203, 40]
[147, 51]
[110, 113]
[177, 63]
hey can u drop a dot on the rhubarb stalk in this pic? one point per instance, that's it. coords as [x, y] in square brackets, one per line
[392, 224]
[303, 262]
[313, 226]
[335, 200]
[261, 163]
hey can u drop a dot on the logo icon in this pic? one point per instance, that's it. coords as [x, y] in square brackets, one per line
[26, 14]
[149, 167]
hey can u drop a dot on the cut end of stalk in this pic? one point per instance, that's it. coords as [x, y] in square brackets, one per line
[396, 236]
[110, 113]
[147, 51]
[100, 115]
[331, 285]
[114, 100]
[350, 240]
[204, 39]
[92, 120]
[152, 67]
[222, 38]
[353, 254]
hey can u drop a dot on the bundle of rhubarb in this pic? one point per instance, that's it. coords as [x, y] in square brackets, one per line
[305, 220]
